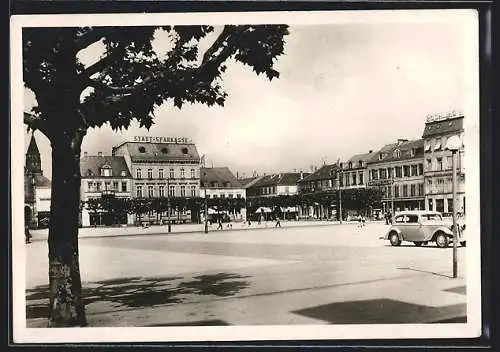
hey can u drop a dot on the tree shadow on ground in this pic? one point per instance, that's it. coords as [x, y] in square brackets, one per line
[384, 311]
[139, 292]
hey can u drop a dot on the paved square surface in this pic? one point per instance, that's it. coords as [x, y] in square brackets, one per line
[337, 274]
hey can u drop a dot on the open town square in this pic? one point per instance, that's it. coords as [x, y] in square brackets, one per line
[302, 273]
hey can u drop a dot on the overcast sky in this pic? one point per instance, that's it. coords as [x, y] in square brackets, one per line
[344, 89]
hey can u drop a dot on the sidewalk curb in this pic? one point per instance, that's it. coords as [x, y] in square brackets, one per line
[43, 237]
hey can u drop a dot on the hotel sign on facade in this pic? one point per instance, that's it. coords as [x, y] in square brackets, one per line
[152, 139]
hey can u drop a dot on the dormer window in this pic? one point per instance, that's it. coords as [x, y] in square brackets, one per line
[184, 150]
[350, 165]
[164, 150]
[89, 172]
[106, 171]
[360, 163]
[142, 149]
[412, 152]
[381, 156]
[123, 173]
[397, 153]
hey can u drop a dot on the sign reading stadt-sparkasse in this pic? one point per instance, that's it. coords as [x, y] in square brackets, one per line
[150, 139]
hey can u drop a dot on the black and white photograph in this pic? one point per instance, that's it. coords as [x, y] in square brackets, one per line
[245, 176]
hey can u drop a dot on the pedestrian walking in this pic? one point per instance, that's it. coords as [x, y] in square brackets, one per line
[27, 234]
[278, 222]
[219, 227]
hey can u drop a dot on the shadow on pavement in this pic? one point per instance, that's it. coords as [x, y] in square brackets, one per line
[194, 323]
[384, 311]
[426, 271]
[459, 289]
[137, 292]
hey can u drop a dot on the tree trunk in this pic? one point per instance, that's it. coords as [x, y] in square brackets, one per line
[66, 303]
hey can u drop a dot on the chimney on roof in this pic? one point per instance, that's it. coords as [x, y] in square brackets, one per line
[85, 154]
[99, 154]
[401, 140]
[301, 175]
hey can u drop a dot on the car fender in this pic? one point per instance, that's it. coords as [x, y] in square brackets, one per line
[393, 229]
[443, 229]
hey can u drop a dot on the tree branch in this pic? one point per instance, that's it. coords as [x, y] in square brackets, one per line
[35, 123]
[92, 36]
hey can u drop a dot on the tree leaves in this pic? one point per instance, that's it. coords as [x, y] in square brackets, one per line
[130, 80]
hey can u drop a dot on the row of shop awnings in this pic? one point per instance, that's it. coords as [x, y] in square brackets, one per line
[283, 209]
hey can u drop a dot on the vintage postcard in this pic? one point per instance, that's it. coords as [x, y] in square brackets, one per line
[245, 176]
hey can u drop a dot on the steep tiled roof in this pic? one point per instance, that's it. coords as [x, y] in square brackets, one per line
[221, 175]
[249, 181]
[280, 179]
[443, 127]
[162, 151]
[90, 166]
[323, 173]
[405, 149]
[360, 157]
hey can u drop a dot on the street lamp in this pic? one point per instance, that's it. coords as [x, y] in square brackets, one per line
[340, 195]
[169, 228]
[205, 191]
[453, 145]
[392, 171]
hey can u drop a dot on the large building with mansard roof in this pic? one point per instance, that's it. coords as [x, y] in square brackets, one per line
[161, 167]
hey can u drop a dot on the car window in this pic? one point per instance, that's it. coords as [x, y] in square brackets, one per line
[399, 219]
[413, 219]
[431, 217]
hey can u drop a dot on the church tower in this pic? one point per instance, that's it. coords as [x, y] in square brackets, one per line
[33, 164]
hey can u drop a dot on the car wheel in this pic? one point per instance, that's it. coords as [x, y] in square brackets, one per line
[418, 243]
[442, 240]
[463, 243]
[394, 238]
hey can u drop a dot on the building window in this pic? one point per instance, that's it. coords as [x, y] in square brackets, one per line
[347, 180]
[449, 162]
[107, 186]
[139, 174]
[397, 154]
[405, 190]
[115, 186]
[183, 191]
[98, 186]
[361, 178]
[399, 171]
[420, 189]
[374, 174]
[396, 191]
[150, 191]
[139, 191]
[193, 173]
[450, 205]
[429, 164]
[354, 179]
[420, 169]
[172, 173]
[106, 171]
[389, 192]
[238, 196]
[124, 186]
[287, 189]
[90, 185]
[414, 170]
[439, 164]
[193, 191]
[440, 205]
[160, 174]
[406, 171]
[182, 173]
[430, 204]
[231, 196]
[429, 181]
[171, 191]
[412, 190]
[383, 174]
[142, 149]
[161, 190]
[150, 173]
[223, 195]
